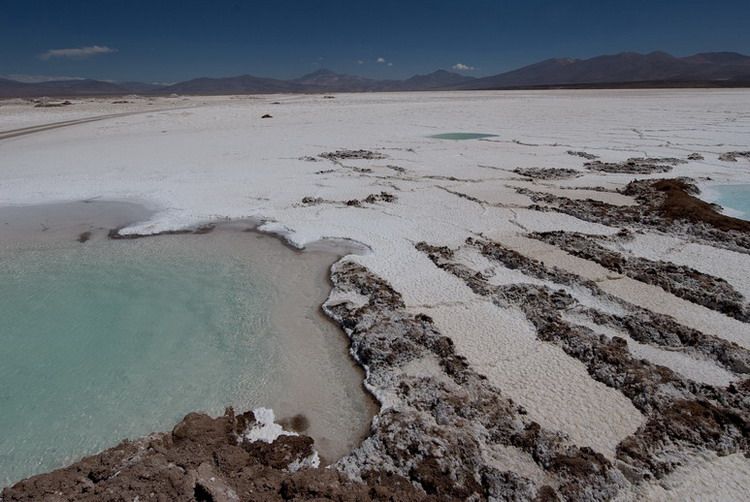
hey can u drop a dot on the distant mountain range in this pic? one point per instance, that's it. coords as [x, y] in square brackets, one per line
[72, 87]
[708, 69]
[319, 81]
[657, 69]
[316, 82]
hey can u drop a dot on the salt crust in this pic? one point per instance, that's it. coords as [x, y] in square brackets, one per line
[216, 159]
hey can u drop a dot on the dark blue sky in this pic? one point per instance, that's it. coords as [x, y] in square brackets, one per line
[177, 40]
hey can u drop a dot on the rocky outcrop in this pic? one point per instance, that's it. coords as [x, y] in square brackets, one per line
[640, 324]
[685, 282]
[666, 205]
[546, 173]
[733, 156]
[340, 155]
[370, 199]
[683, 417]
[206, 459]
[636, 165]
[584, 155]
[436, 430]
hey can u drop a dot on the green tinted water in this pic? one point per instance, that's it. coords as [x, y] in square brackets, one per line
[107, 340]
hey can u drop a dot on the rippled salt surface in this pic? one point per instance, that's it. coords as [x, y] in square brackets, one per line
[104, 340]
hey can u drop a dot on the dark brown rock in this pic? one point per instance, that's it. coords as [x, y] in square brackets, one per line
[637, 165]
[546, 173]
[201, 460]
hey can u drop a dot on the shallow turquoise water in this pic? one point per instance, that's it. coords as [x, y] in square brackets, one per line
[107, 340]
[734, 198]
[460, 136]
[102, 344]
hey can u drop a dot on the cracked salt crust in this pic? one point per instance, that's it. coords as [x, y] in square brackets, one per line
[556, 390]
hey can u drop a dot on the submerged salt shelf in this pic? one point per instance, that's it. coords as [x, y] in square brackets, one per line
[105, 340]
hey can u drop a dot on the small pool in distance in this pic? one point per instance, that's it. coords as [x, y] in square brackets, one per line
[735, 199]
[462, 136]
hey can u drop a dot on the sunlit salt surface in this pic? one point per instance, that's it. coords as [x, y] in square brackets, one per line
[104, 340]
[735, 199]
[459, 136]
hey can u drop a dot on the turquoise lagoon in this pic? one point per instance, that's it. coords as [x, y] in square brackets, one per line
[105, 340]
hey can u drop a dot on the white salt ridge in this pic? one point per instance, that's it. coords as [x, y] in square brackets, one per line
[499, 275]
[577, 193]
[639, 293]
[385, 398]
[337, 297]
[694, 368]
[718, 262]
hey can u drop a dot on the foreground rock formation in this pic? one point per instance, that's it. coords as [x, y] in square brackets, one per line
[205, 459]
